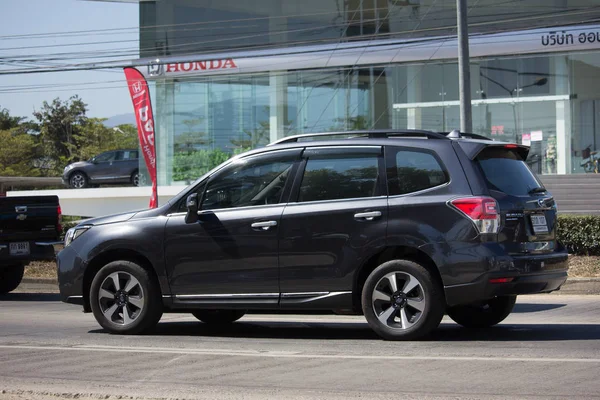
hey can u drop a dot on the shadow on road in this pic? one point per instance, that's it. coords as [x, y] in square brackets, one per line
[530, 308]
[447, 332]
[30, 297]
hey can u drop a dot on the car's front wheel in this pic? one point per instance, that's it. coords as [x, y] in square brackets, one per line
[218, 317]
[401, 300]
[78, 180]
[10, 277]
[484, 313]
[125, 298]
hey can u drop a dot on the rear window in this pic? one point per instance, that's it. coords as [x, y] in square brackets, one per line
[507, 172]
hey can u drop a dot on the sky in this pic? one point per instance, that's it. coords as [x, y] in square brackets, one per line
[104, 91]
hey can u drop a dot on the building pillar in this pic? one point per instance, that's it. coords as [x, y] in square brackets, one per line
[164, 130]
[413, 95]
[277, 105]
[560, 72]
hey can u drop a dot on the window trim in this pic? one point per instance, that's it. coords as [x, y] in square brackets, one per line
[381, 183]
[392, 168]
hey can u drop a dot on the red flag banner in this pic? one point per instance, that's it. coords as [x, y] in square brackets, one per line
[140, 95]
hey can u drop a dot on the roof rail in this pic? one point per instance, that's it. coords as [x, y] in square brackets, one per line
[372, 134]
[456, 134]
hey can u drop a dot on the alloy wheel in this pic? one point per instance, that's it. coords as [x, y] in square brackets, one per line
[121, 298]
[398, 300]
[78, 181]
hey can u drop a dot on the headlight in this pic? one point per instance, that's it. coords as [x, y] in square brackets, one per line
[74, 233]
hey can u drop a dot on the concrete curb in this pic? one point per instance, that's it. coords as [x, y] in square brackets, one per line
[571, 286]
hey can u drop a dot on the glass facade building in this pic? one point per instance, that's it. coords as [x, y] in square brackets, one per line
[228, 75]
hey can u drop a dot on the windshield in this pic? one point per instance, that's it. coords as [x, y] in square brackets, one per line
[507, 172]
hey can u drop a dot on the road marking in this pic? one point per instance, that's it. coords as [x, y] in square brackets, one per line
[290, 354]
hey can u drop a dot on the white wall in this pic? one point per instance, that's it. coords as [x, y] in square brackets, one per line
[103, 201]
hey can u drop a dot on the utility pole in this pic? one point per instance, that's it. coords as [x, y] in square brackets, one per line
[464, 72]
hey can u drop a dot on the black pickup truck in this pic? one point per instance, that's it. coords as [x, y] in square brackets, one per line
[30, 226]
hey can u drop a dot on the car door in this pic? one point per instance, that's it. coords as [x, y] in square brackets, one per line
[336, 221]
[124, 165]
[103, 167]
[231, 253]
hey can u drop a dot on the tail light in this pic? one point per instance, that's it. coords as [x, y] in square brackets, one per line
[59, 222]
[483, 211]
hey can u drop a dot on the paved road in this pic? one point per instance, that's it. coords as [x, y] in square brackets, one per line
[548, 348]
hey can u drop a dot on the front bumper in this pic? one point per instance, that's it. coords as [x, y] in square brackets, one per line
[526, 274]
[70, 276]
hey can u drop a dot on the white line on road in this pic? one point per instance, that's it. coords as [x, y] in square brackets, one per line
[284, 354]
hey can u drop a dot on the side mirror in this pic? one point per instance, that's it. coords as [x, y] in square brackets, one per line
[192, 208]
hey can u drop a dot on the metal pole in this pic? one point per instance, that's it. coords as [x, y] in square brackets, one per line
[464, 73]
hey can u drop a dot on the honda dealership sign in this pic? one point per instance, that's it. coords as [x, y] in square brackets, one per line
[369, 52]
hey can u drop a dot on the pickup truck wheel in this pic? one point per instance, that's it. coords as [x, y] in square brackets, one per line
[125, 298]
[401, 300]
[78, 180]
[10, 277]
[218, 317]
[483, 314]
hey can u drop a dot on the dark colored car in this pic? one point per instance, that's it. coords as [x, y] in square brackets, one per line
[398, 226]
[30, 226]
[111, 167]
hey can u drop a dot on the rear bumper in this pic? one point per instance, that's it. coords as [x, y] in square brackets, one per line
[38, 251]
[527, 275]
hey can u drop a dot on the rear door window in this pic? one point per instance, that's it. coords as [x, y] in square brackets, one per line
[505, 171]
[340, 177]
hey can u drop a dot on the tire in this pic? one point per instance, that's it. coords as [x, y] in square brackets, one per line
[10, 277]
[78, 180]
[399, 314]
[138, 293]
[483, 314]
[135, 178]
[218, 317]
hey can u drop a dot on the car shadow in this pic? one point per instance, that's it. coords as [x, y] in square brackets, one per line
[358, 330]
[30, 297]
[530, 308]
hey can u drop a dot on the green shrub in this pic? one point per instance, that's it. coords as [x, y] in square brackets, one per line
[580, 234]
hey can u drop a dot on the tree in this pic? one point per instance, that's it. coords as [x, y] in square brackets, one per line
[7, 122]
[93, 138]
[17, 153]
[60, 122]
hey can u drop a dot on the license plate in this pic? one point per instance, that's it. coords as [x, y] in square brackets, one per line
[539, 224]
[19, 249]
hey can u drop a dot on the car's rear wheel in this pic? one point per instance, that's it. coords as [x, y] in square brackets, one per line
[401, 300]
[10, 277]
[218, 317]
[125, 298]
[483, 314]
[135, 178]
[78, 180]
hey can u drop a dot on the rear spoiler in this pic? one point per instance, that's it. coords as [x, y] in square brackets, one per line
[473, 148]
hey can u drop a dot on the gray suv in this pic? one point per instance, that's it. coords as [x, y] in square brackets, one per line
[399, 226]
[111, 167]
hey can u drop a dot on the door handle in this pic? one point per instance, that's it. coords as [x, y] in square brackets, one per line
[265, 225]
[369, 216]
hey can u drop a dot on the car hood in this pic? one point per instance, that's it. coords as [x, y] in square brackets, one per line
[109, 219]
[78, 164]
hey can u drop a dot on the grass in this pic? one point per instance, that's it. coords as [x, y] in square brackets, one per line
[579, 267]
